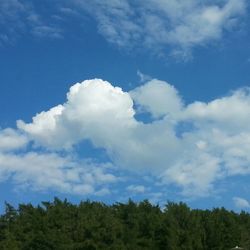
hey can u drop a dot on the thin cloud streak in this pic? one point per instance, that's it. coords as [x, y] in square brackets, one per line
[173, 26]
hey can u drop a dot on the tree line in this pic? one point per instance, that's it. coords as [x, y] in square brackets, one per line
[61, 225]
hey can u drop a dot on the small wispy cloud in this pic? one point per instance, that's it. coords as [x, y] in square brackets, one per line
[241, 203]
[143, 77]
[19, 17]
[160, 25]
[47, 31]
[136, 189]
[173, 27]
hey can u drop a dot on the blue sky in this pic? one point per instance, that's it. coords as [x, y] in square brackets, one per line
[115, 99]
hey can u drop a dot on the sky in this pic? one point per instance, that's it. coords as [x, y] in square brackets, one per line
[115, 99]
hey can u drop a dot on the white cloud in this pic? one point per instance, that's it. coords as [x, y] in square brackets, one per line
[221, 111]
[194, 172]
[11, 140]
[95, 109]
[50, 171]
[157, 23]
[158, 98]
[162, 26]
[11, 12]
[241, 203]
[43, 125]
[47, 31]
[136, 189]
[216, 145]
[205, 23]
[9, 8]
[104, 114]
[143, 77]
[19, 17]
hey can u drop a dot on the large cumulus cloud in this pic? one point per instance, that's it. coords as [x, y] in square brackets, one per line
[214, 146]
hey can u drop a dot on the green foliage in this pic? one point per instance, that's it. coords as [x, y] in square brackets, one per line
[61, 225]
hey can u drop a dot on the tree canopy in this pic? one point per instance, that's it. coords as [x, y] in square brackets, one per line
[89, 225]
